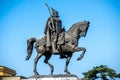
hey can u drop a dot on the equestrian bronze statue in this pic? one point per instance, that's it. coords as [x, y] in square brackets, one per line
[57, 42]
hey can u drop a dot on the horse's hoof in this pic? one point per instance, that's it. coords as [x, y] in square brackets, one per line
[79, 58]
[36, 73]
[51, 74]
[68, 73]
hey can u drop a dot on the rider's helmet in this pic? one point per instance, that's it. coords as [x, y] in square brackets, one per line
[55, 13]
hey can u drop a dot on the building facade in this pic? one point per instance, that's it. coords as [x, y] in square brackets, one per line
[6, 72]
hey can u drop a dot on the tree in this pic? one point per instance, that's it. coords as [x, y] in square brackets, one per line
[102, 72]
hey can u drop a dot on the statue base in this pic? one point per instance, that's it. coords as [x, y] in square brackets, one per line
[53, 77]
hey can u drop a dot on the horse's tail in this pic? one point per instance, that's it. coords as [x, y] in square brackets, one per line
[30, 44]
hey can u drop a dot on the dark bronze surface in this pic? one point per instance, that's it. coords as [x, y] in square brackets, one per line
[58, 42]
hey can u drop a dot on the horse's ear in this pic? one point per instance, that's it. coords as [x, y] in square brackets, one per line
[88, 22]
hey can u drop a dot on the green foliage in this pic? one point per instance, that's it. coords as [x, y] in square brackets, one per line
[103, 72]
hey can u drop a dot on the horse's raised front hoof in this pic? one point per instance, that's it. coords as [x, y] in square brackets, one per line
[79, 58]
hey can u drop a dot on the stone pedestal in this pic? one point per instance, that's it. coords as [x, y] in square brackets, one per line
[53, 77]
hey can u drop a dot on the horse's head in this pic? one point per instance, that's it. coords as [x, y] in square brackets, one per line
[78, 29]
[84, 28]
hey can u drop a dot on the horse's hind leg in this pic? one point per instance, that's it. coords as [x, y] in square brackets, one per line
[47, 57]
[67, 63]
[35, 63]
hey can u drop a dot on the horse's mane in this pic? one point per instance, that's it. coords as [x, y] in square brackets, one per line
[73, 26]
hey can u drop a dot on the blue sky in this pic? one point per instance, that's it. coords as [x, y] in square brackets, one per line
[22, 19]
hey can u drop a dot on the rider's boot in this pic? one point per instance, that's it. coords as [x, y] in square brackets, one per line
[54, 48]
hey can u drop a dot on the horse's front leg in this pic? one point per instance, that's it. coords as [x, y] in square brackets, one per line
[67, 62]
[83, 52]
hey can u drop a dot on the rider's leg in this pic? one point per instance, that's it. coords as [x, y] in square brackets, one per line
[54, 45]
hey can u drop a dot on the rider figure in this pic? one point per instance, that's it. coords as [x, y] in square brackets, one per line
[53, 29]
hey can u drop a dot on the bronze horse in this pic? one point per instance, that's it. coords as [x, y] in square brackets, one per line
[70, 46]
